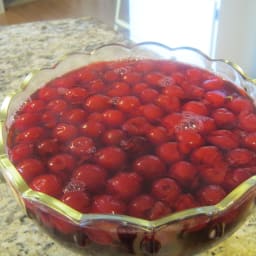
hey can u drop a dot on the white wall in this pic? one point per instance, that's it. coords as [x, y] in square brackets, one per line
[236, 38]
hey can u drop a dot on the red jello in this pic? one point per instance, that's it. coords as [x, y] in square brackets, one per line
[143, 138]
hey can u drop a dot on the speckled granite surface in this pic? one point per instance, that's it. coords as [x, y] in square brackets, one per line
[36, 45]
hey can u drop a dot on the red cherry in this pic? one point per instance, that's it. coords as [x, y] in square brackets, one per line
[157, 135]
[96, 86]
[67, 81]
[119, 89]
[96, 117]
[215, 83]
[74, 116]
[158, 210]
[113, 117]
[154, 78]
[184, 202]
[144, 66]
[214, 174]
[215, 98]
[82, 146]
[149, 166]
[236, 177]
[125, 186]
[49, 119]
[113, 158]
[97, 103]
[76, 95]
[194, 74]
[64, 132]
[169, 152]
[247, 121]
[21, 151]
[168, 103]
[111, 76]
[151, 112]
[131, 77]
[224, 139]
[183, 172]
[29, 168]
[48, 184]
[48, 93]
[240, 156]
[61, 162]
[148, 95]
[32, 134]
[250, 140]
[113, 137]
[211, 195]
[26, 120]
[33, 106]
[196, 107]
[224, 118]
[138, 88]
[107, 204]
[128, 104]
[57, 106]
[47, 147]
[166, 190]
[189, 140]
[92, 129]
[174, 91]
[92, 176]
[239, 104]
[140, 206]
[206, 155]
[171, 122]
[85, 75]
[136, 126]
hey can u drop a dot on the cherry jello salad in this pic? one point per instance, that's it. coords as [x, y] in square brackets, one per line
[144, 138]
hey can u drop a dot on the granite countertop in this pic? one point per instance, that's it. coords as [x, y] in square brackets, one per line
[31, 46]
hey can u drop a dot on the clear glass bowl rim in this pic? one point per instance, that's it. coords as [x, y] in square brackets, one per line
[23, 191]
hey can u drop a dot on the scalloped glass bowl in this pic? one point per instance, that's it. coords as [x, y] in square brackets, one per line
[182, 233]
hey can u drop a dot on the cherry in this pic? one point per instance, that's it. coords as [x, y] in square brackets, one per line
[107, 204]
[96, 86]
[64, 132]
[125, 186]
[168, 103]
[210, 195]
[215, 98]
[224, 118]
[131, 77]
[57, 106]
[158, 210]
[140, 206]
[169, 152]
[240, 156]
[138, 88]
[247, 121]
[112, 158]
[183, 172]
[85, 75]
[137, 126]
[119, 89]
[111, 76]
[157, 135]
[224, 139]
[239, 104]
[194, 74]
[184, 202]
[113, 117]
[174, 91]
[250, 140]
[113, 137]
[213, 84]
[82, 146]
[29, 168]
[48, 184]
[166, 190]
[154, 78]
[21, 151]
[61, 162]
[49, 119]
[33, 106]
[78, 200]
[92, 129]
[48, 93]
[97, 103]
[26, 120]
[92, 176]
[76, 95]
[196, 107]
[128, 104]
[151, 112]
[149, 167]
[148, 95]
[31, 135]
[206, 155]
[47, 147]
[144, 66]
[74, 116]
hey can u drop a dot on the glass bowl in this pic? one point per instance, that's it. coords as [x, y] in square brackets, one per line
[182, 233]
